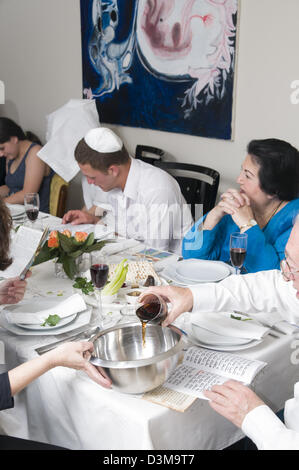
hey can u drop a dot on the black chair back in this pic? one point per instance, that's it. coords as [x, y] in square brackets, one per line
[199, 188]
[142, 152]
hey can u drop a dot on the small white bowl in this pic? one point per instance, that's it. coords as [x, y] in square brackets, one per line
[133, 299]
[109, 299]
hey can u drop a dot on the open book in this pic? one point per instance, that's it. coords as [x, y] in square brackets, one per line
[200, 370]
[23, 248]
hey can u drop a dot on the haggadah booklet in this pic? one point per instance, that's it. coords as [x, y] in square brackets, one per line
[200, 370]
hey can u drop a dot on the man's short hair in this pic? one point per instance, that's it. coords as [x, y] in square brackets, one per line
[97, 160]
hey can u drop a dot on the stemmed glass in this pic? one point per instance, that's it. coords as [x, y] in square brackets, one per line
[238, 249]
[31, 204]
[99, 271]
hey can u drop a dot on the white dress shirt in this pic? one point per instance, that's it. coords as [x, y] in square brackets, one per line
[151, 208]
[254, 293]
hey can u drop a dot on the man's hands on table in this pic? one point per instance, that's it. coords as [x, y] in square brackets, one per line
[233, 400]
[77, 217]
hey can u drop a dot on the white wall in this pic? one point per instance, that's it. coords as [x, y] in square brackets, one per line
[40, 64]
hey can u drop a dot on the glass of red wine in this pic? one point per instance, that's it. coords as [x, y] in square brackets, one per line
[99, 271]
[31, 204]
[238, 249]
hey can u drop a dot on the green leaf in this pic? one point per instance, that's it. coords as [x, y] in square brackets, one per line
[98, 245]
[66, 243]
[75, 254]
[69, 266]
[45, 254]
[83, 284]
[52, 320]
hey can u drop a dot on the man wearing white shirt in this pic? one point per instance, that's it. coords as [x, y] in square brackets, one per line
[146, 202]
[252, 293]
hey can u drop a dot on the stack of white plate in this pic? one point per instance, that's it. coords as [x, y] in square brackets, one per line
[17, 211]
[211, 340]
[224, 331]
[195, 271]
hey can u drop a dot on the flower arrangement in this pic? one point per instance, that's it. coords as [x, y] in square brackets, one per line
[67, 248]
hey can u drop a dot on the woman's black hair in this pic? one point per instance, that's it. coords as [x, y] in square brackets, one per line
[8, 129]
[279, 167]
[5, 228]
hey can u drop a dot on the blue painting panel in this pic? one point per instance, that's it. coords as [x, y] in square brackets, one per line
[161, 64]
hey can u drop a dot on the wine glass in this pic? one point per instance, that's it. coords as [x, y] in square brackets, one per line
[238, 249]
[31, 203]
[99, 271]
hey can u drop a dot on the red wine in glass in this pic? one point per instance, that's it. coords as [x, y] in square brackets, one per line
[31, 204]
[32, 214]
[99, 275]
[237, 256]
[237, 249]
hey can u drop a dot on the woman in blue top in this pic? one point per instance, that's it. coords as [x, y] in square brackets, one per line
[25, 171]
[264, 207]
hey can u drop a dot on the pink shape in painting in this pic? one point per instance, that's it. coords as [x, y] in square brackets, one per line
[193, 39]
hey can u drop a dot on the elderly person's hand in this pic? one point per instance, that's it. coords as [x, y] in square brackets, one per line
[181, 299]
[76, 356]
[13, 290]
[233, 400]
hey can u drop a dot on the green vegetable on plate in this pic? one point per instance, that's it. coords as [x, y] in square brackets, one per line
[52, 320]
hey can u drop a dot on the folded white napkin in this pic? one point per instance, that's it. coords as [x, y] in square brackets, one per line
[223, 324]
[275, 321]
[30, 311]
[65, 127]
[116, 247]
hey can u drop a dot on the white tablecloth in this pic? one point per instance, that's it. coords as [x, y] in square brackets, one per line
[64, 407]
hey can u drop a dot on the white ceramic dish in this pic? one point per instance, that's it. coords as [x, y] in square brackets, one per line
[209, 337]
[170, 273]
[61, 323]
[197, 270]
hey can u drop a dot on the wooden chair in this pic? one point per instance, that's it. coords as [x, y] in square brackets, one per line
[58, 196]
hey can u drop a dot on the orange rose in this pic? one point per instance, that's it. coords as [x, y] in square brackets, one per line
[53, 234]
[67, 233]
[53, 241]
[81, 236]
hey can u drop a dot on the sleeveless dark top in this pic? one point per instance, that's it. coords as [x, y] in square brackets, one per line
[15, 182]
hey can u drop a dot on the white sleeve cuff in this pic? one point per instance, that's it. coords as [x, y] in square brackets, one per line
[264, 428]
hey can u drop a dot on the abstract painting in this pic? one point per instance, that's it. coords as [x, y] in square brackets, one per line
[161, 64]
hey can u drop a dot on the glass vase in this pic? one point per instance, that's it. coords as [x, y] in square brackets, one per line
[59, 271]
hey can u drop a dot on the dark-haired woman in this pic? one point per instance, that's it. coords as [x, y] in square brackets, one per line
[25, 171]
[264, 207]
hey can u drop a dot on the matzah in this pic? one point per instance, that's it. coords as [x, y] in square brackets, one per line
[137, 272]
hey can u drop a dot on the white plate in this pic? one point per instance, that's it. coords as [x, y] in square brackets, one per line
[62, 322]
[211, 338]
[16, 210]
[231, 347]
[82, 319]
[198, 270]
[169, 272]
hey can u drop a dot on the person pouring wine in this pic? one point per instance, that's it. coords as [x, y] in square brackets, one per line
[263, 207]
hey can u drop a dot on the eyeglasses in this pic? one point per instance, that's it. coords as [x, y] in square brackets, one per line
[286, 271]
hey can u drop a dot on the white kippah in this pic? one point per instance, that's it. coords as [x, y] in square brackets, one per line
[103, 140]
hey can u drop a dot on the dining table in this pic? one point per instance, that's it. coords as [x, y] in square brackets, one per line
[65, 407]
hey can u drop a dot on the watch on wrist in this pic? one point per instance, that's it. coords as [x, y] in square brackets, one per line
[250, 223]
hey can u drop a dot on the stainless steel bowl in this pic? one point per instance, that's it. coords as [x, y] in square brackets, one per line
[132, 366]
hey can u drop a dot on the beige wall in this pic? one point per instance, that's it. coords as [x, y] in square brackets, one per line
[40, 64]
